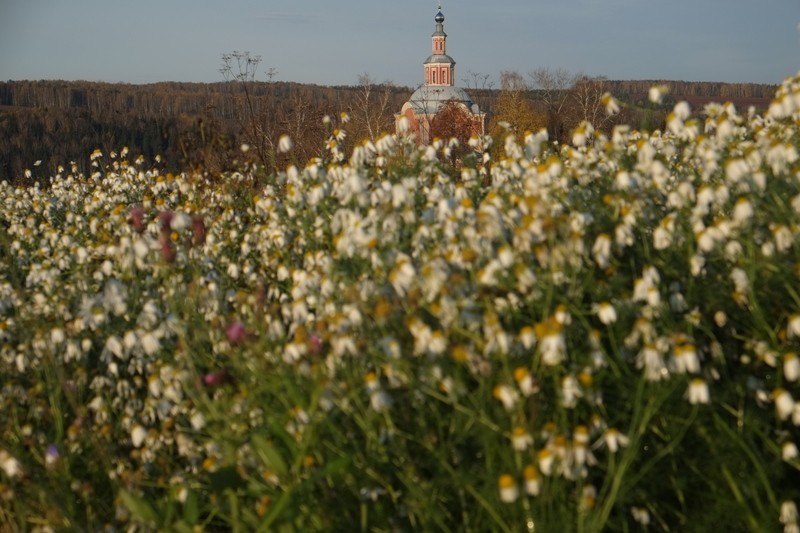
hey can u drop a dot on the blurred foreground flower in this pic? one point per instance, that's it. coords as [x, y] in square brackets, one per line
[285, 144]
[698, 393]
[51, 455]
[509, 492]
[235, 332]
[9, 464]
[657, 93]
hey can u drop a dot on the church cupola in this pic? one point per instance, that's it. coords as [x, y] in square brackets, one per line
[440, 68]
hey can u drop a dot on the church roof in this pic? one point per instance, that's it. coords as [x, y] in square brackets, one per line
[440, 58]
[428, 99]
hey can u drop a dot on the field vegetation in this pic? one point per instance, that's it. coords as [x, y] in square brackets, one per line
[593, 335]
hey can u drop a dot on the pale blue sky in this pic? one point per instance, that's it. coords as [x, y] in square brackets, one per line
[332, 42]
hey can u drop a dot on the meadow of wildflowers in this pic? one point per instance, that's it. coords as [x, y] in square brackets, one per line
[602, 336]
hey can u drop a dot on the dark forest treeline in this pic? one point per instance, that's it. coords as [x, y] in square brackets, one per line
[58, 122]
[216, 100]
[629, 89]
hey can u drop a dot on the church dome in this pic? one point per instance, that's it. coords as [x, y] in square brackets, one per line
[439, 17]
[429, 99]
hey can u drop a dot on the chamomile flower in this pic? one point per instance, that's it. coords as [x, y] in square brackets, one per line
[685, 359]
[640, 515]
[613, 440]
[532, 483]
[651, 360]
[552, 345]
[601, 250]
[610, 104]
[793, 326]
[527, 384]
[784, 403]
[138, 435]
[605, 312]
[789, 451]
[698, 392]
[507, 396]
[509, 492]
[742, 211]
[520, 439]
[570, 391]
[789, 513]
[9, 464]
[656, 93]
[546, 461]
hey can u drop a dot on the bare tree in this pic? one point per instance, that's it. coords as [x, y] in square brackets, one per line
[554, 86]
[569, 99]
[512, 81]
[586, 102]
[303, 123]
[480, 87]
[514, 111]
[371, 111]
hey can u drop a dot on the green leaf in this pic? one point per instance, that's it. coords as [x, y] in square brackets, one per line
[275, 511]
[225, 478]
[182, 527]
[286, 528]
[269, 456]
[191, 511]
[334, 467]
[138, 507]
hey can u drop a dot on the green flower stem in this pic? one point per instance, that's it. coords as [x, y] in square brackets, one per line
[482, 419]
[616, 474]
